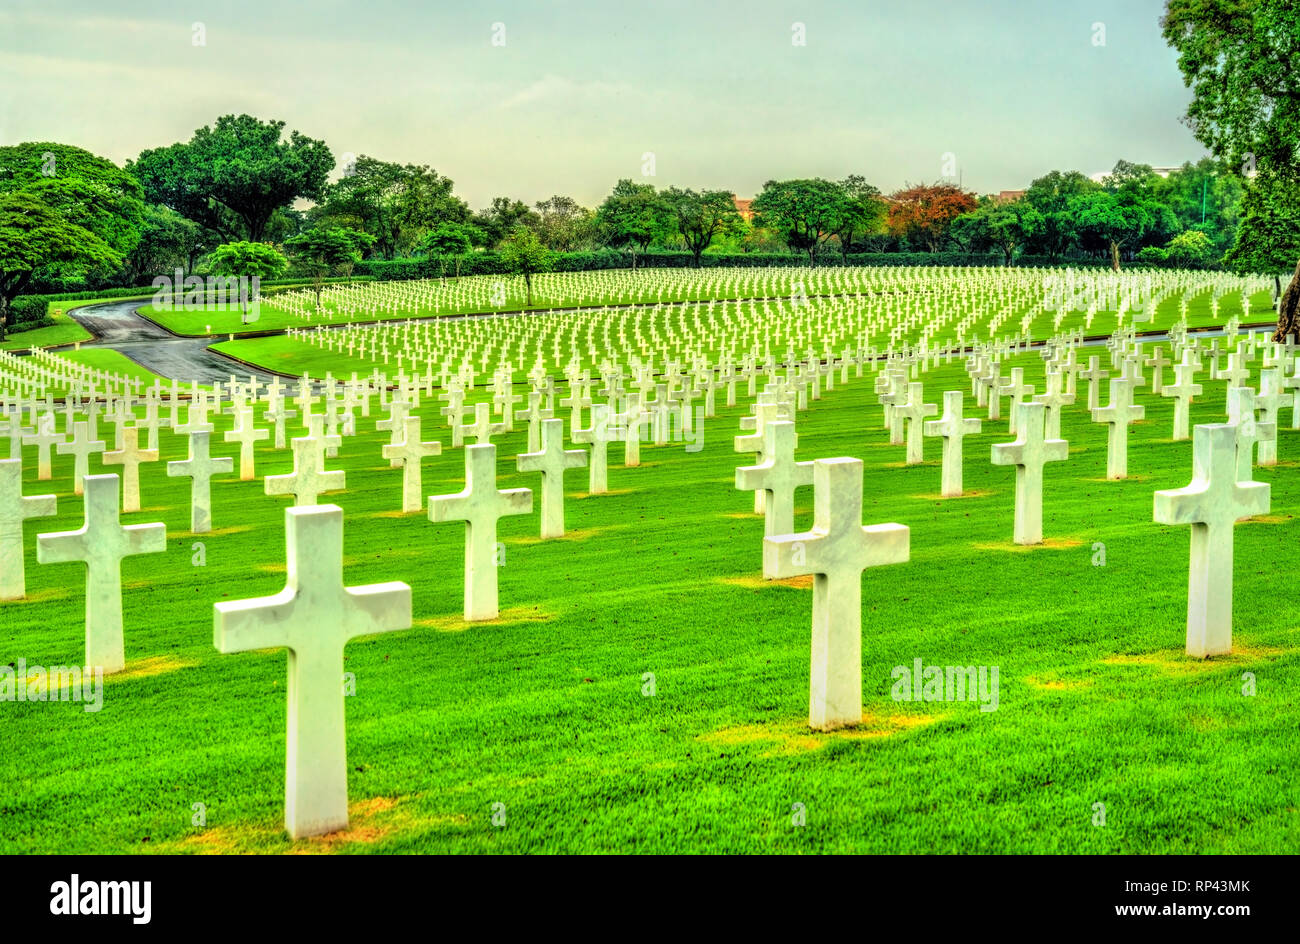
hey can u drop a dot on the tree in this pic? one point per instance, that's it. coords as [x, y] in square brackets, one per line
[33, 235]
[1050, 195]
[395, 203]
[806, 212]
[168, 241]
[1191, 249]
[232, 177]
[499, 219]
[1104, 221]
[1005, 227]
[86, 190]
[322, 252]
[247, 260]
[1268, 239]
[563, 224]
[922, 214]
[1238, 58]
[862, 212]
[451, 239]
[699, 217]
[633, 216]
[522, 253]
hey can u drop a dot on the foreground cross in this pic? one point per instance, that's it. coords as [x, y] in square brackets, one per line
[1118, 414]
[480, 505]
[14, 510]
[314, 617]
[552, 461]
[1029, 453]
[129, 458]
[1212, 504]
[101, 543]
[835, 552]
[308, 478]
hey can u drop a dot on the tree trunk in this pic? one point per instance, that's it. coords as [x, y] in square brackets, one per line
[1288, 313]
[1114, 256]
[4, 316]
[528, 283]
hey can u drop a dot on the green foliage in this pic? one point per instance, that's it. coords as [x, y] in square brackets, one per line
[1004, 227]
[234, 176]
[700, 216]
[806, 212]
[633, 216]
[322, 252]
[522, 253]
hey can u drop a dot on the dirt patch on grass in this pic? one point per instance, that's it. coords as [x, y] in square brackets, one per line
[968, 493]
[1127, 478]
[751, 582]
[153, 665]
[1058, 685]
[583, 496]
[507, 617]
[790, 738]
[579, 535]
[39, 596]
[1268, 519]
[394, 514]
[215, 532]
[1048, 544]
[1176, 661]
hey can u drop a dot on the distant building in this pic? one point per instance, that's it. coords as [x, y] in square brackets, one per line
[1009, 196]
[744, 208]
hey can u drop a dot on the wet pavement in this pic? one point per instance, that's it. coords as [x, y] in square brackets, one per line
[117, 326]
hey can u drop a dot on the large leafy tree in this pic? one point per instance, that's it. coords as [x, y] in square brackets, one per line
[922, 214]
[35, 235]
[523, 253]
[1239, 59]
[1107, 223]
[1004, 226]
[167, 241]
[806, 212]
[321, 252]
[701, 216]
[1268, 239]
[395, 203]
[500, 219]
[1050, 195]
[233, 176]
[247, 260]
[862, 212]
[451, 241]
[633, 216]
[563, 224]
[86, 190]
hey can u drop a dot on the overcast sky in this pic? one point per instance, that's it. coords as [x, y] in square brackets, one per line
[581, 90]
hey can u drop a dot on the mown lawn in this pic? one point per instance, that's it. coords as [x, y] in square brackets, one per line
[543, 711]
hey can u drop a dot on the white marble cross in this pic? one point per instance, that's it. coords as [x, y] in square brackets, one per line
[1054, 399]
[552, 461]
[199, 468]
[409, 453]
[1212, 504]
[129, 457]
[599, 435]
[1093, 374]
[778, 475]
[14, 509]
[246, 433]
[1250, 431]
[101, 543]
[314, 617]
[309, 477]
[45, 437]
[836, 551]
[1269, 402]
[913, 412]
[81, 446]
[1118, 414]
[953, 427]
[1182, 391]
[1029, 453]
[480, 505]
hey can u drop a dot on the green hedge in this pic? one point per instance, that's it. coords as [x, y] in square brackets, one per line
[29, 311]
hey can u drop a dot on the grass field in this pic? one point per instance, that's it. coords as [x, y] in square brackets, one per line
[542, 711]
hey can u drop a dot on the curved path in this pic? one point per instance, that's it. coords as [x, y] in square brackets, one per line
[118, 326]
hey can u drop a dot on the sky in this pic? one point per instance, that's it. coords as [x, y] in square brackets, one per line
[529, 99]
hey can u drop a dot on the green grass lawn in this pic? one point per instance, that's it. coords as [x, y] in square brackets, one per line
[543, 710]
[63, 331]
